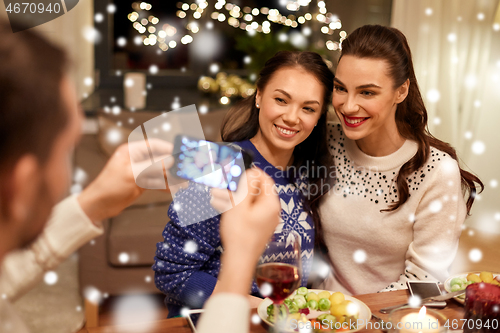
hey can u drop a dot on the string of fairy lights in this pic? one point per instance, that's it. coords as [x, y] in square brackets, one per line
[252, 20]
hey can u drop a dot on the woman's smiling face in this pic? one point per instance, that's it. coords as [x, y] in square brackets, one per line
[290, 106]
[365, 99]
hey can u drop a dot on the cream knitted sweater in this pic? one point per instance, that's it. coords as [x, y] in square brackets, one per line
[372, 250]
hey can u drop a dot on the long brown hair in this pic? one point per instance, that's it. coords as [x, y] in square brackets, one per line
[242, 122]
[390, 44]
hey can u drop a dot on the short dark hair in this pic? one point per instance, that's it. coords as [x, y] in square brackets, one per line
[32, 111]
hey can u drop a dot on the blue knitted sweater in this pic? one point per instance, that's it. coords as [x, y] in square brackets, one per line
[187, 263]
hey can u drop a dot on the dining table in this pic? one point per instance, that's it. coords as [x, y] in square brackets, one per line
[375, 302]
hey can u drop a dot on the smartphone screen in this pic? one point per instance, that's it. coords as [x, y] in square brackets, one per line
[209, 163]
[424, 289]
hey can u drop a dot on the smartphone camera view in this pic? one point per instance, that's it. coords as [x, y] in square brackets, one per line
[208, 163]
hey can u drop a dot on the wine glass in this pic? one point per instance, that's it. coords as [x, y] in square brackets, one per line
[279, 270]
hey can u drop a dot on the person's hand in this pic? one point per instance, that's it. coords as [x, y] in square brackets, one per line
[252, 221]
[115, 187]
[246, 229]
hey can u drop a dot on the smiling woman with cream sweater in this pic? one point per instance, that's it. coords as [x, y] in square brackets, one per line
[397, 208]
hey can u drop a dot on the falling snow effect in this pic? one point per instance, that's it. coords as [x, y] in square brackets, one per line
[359, 256]
[129, 83]
[478, 147]
[76, 188]
[475, 255]
[190, 246]
[111, 8]
[206, 46]
[185, 312]
[88, 81]
[114, 136]
[414, 301]
[433, 95]
[298, 40]
[123, 257]
[92, 294]
[176, 104]
[255, 319]
[266, 289]
[98, 17]
[50, 278]
[153, 69]
[135, 308]
[470, 81]
[91, 35]
[282, 37]
[203, 109]
[214, 68]
[435, 206]
[79, 176]
[166, 127]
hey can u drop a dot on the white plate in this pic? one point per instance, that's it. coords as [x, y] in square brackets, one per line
[447, 285]
[365, 314]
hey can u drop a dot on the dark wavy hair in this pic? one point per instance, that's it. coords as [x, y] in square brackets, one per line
[390, 44]
[242, 121]
[32, 113]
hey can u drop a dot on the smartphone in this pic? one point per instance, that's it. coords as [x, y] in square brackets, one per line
[193, 316]
[424, 289]
[209, 163]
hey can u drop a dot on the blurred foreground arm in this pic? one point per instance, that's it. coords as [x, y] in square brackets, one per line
[245, 231]
[115, 187]
[77, 219]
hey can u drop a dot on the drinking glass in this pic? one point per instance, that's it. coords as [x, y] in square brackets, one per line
[279, 271]
[482, 308]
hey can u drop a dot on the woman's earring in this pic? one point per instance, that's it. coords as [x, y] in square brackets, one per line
[257, 105]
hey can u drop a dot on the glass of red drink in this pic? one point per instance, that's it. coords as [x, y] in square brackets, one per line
[279, 270]
[482, 308]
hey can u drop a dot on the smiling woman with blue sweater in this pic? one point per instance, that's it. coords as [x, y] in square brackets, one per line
[283, 125]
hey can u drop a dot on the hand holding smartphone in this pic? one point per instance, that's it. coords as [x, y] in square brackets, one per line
[209, 163]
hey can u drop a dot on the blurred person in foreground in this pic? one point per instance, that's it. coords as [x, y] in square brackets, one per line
[39, 125]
